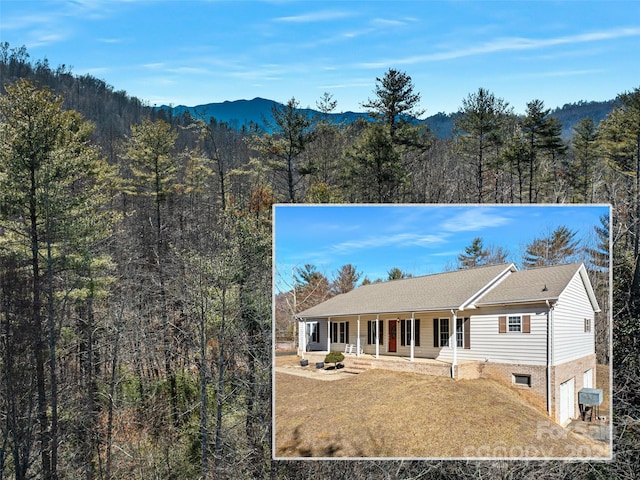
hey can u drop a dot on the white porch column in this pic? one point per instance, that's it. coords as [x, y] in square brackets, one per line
[413, 335]
[454, 316]
[329, 334]
[377, 336]
[358, 338]
[303, 343]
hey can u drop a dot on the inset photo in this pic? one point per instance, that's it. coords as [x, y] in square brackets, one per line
[442, 332]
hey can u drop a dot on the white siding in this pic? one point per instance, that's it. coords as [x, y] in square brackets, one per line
[514, 347]
[570, 341]
[486, 342]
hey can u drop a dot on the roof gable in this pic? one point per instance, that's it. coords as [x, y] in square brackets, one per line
[538, 285]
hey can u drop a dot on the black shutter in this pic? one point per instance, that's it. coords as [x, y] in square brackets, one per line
[403, 333]
[369, 342]
[467, 333]
[436, 333]
[346, 332]
[417, 332]
[381, 332]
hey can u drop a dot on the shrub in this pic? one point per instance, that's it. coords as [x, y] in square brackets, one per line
[334, 357]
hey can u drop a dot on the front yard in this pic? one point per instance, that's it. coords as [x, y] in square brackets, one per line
[404, 415]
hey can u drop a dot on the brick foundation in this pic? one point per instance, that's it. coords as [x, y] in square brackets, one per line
[566, 371]
[535, 394]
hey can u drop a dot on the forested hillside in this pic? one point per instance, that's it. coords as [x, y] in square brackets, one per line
[135, 263]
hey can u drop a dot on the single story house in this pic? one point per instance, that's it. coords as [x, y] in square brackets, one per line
[532, 329]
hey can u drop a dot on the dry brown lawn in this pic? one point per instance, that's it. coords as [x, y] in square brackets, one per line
[404, 415]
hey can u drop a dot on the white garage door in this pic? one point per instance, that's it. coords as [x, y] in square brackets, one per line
[588, 379]
[567, 406]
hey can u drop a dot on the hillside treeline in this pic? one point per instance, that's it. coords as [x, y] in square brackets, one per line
[135, 264]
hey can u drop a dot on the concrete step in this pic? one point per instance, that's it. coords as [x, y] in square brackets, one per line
[354, 370]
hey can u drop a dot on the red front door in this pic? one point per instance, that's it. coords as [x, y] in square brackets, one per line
[393, 333]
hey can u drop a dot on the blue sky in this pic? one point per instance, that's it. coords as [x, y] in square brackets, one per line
[196, 52]
[418, 239]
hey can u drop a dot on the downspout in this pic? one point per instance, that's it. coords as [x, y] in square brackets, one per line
[328, 334]
[549, 353]
[455, 343]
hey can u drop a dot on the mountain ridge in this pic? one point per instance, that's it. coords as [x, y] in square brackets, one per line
[257, 113]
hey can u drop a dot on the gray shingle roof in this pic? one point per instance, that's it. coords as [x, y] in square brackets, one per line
[444, 291]
[441, 291]
[529, 285]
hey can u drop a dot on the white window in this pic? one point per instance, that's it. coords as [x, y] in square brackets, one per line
[444, 332]
[514, 323]
[588, 379]
[524, 380]
[459, 332]
[339, 332]
[313, 332]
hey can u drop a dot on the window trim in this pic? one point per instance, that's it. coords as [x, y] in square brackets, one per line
[310, 332]
[460, 332]
[371, 332]
[444, 341]
[504, 323]
[518, 324]
[340, 332]
[526, 377]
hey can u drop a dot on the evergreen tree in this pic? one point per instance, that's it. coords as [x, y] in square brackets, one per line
[376, 172]
[479, 129]
[585, 157]
[557, 248]
[619, 136]
[395, 101]
[346, 279]
[311, 287]
[283, 148]
[150, 150]
[533, 130]
[53, 184]
[396, 274]
[474, 255]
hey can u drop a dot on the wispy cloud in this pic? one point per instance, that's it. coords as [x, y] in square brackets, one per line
[312, 17]
[476, 218]
[384, 22]
[557, 73]
[397, 241]
[509, 44]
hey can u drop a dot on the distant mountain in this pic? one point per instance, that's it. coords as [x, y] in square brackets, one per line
[571, 113]
[240, 114]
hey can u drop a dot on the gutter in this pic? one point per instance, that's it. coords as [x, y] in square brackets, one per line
[549, 353]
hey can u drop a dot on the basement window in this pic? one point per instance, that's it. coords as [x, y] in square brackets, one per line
[523, 380]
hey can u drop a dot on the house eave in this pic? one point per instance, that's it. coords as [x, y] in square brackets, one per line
[384, 312]
[529, 301]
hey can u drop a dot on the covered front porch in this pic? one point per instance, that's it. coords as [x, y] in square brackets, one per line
[428, 366]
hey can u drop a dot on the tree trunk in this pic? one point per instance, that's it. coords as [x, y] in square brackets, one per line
[220, 382]
[38, 340]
